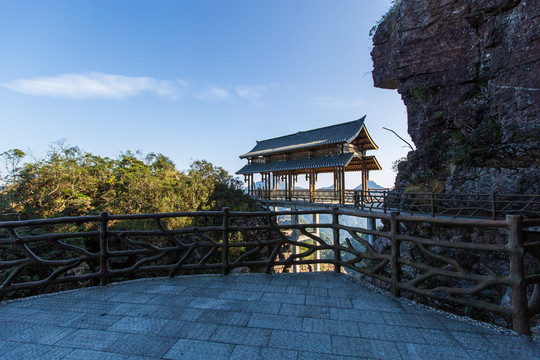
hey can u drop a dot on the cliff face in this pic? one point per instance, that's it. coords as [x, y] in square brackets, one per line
[468, 72]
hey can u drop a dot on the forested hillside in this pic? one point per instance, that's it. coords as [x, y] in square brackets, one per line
[69, 182]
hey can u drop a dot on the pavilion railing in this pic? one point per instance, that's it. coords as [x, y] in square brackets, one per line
[46, 255]
[489, 206]
[483, 206]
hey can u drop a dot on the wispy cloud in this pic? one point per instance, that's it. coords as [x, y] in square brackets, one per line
[213, 94]
[96, 85]
[254, 93]
[332, 102]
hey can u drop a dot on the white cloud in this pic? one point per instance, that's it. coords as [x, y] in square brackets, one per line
[253, 93]
[331, 102]
[96, 85]
[213, 94]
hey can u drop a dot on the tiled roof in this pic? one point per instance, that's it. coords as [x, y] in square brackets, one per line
[299, 164]
[334, 134]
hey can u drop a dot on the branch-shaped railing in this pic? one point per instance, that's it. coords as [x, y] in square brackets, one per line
[431, 257]
[483, 206]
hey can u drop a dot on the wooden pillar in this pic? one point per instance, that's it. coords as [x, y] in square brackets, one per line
[342, 194]
[316, 232]
[294, 221]
[363, 196]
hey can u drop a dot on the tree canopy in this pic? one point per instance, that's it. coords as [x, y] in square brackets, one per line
[70, 182]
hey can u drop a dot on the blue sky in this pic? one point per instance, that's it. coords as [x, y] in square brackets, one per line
[190, 79]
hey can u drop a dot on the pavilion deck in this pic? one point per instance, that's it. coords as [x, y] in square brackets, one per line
[251, 316]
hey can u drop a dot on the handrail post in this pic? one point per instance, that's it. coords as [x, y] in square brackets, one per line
[395, 254]
[335, 224]
[385, 196]
[493, 206]
[520, 313]
[225, 241]
[103, 249]
[432, 205]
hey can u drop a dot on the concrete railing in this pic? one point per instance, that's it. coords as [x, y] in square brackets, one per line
[46, 255]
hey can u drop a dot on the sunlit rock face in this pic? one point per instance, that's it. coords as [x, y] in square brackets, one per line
[468, 72]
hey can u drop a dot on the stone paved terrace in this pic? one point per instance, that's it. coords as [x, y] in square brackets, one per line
[280, 316]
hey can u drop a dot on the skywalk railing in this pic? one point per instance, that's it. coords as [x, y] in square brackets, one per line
[483, 206]
[411, 255]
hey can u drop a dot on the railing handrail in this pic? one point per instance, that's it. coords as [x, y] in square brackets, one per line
[515, 248]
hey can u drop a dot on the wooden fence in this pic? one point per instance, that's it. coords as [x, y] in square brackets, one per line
[44, 255]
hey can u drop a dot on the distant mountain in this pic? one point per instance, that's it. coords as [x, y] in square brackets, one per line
[281, 186]
[370, 185]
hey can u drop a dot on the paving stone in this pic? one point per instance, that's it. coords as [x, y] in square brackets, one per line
[301, 341]
[175, 312]
[373, 349]
[94, 321]
[329, 301]
[241, 295]
[79, 354]
[42, 334]
[134, 309]
[472, 341]
[142, 345]
[362, 316]
[332, 327]
[300, 290]
[196, 349]
[138, 325]
[514, 345]
[311, 311]
[224, 317]
[241, 335]
[33, 351]
[439, 337]
[391, 333]
[165, 289]
[243, 352]
[188, 330]
[412, 320]
[212, 303]
[278, 322]
[422, 351]
[129, 297]
[316, 356]
[284, 298]
[202, 292]
[115, 322]
[89, 339]
[265, 307]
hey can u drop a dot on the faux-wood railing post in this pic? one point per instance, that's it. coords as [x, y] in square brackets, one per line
[103, 249]
[337, 255]
[432, 200]
[225, 241]
[493, 206]
[520, 313]
[394, 256]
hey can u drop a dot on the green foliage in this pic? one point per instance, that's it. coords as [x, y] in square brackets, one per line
[71, 182]
[393, 11]
[482, 147]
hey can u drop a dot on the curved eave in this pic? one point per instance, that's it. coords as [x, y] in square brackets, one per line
[320, 162]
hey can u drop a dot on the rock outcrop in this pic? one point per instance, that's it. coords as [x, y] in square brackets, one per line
[468, 72]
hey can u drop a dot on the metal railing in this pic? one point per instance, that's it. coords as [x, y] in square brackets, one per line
[43, 255]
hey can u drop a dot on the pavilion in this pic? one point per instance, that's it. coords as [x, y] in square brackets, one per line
[335, 149]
